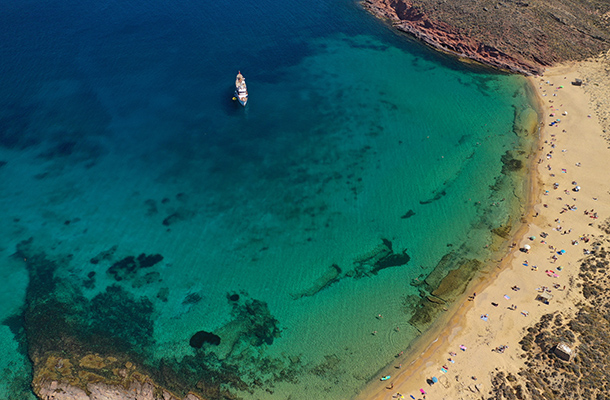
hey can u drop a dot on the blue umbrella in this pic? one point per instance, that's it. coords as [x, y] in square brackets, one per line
[434, 379]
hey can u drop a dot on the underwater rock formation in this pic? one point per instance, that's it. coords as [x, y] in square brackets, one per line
[192, 298]
[437, 196]
[101, 348]
[409, 214]
[443, 285]
[128, 267]
[330, 276]
[104, 255]
[152, 207]
[177, 216]
[369, 264]
[510, 163]
[381, 257]
[201, 337]
[262, 326]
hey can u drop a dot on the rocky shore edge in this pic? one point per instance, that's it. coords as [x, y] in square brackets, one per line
[405, 17]
[94, 377]
[521, 37]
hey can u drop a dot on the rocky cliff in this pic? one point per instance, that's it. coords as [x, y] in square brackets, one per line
[521, 36]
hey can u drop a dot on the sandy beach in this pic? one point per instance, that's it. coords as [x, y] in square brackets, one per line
[570, 201]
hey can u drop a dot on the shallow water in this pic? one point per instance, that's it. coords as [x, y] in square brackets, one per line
[360, 161]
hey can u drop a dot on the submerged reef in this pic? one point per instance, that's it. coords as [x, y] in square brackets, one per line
[180, 215]
[409, 214]
[86, 348]
[201, 337]
[510, 163]
[381, 257]
[58, 316]
[443, 285]
[128, 267]
[369, 264]
[330, 276]
[104, 255]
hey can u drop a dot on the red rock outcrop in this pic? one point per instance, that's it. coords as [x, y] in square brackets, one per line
[408, 18]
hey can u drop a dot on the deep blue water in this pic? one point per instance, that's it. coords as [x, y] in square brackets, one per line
[361, 160]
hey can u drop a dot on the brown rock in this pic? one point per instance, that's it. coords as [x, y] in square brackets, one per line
[92, 361]
[521, 37]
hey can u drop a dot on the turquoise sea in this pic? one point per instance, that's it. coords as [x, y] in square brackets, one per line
[140, 204]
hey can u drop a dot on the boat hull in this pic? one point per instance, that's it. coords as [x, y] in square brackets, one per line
[241, 90]
[242, 100]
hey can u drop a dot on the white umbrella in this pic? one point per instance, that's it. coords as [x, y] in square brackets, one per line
[527, 247]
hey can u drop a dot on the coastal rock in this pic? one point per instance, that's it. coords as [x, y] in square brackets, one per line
[455, 282]
[512, 37]
[525, 122]
[55, 390]
[408, 18]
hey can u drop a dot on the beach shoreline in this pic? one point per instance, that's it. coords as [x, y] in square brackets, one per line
[434, 350]
[447, 325]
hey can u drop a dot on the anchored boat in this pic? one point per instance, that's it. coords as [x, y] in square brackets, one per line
[241, 90]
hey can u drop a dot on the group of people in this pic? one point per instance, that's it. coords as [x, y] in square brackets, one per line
[569, 204]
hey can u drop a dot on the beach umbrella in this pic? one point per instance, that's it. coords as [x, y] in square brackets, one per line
[434, 379]
[527, 247]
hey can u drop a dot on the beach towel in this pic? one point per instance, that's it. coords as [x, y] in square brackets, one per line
[462, 347]
[506, 297]
[443, 370]
[484, 317]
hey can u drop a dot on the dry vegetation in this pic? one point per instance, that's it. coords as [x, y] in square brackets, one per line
[587, 374]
